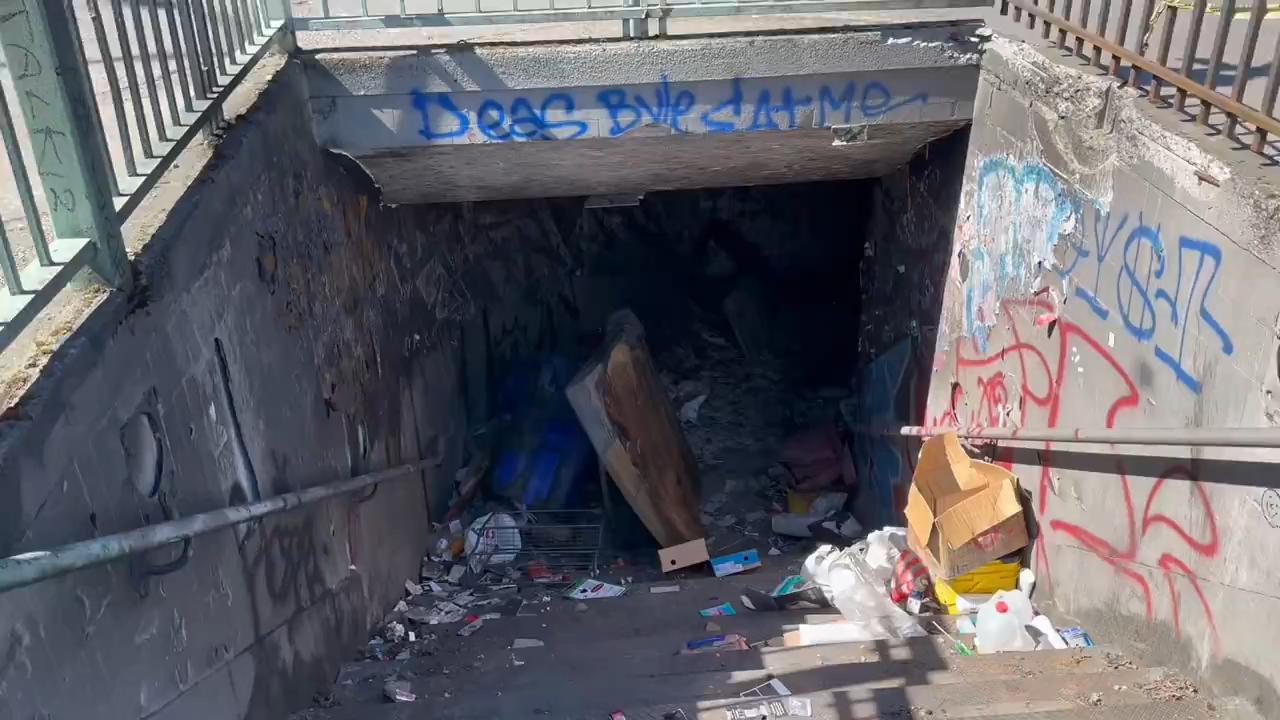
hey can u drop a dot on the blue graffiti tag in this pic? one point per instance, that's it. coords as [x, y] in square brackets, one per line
[617, 111]
[667, 108]
[1155, 293]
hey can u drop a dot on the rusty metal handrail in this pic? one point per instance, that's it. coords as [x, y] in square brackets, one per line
[1262, 119]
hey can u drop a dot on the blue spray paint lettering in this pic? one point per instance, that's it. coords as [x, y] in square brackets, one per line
[1206, 252]
[667, 108]
[1142, 325]
[423, 103]
[1022, 207]
[732, 105]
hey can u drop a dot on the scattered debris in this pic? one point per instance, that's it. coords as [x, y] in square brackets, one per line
[735, 563]
[722, 609]
[398, 691]
[622, 375]
[793, 593]
[1094, 699]
[712, 627]
[773, 688]
[984, 495]
[589, 589]
[393, 632]
[689, 411]
[470, 628]
[780, 707]
[1116, 661]
[521, 643]
[659, 589]
[580, 607]
[1076, 637]
[715, 643]
[413, 588]
[1170, 688]
[456, 572]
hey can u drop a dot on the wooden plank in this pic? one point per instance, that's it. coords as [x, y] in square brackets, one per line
[623, 406]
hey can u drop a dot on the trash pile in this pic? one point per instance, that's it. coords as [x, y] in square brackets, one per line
[960, 556]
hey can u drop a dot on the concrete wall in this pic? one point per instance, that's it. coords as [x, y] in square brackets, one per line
[431, 124]
[1108, 271]
[286, 331]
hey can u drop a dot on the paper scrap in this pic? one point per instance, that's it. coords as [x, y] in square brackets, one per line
[725, 608]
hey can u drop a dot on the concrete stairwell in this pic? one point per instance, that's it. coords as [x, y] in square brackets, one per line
[621, 654]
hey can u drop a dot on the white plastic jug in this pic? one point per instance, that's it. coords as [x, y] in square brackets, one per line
[1002, 623]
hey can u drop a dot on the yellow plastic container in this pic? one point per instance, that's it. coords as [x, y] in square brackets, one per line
[974, 587]
[799, 502]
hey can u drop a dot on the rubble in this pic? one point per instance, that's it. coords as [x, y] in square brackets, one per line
[399, 691]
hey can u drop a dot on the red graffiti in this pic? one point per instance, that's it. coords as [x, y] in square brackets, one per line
[1043, 384]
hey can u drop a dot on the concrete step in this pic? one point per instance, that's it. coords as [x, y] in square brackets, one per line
[828, 687]
[650, 665]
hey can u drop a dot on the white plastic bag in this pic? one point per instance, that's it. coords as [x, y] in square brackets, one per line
[493, 539]
[859, 590]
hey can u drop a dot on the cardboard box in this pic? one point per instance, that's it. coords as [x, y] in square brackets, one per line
[961, 513]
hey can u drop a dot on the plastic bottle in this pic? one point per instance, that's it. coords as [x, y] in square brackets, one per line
[1002, 622]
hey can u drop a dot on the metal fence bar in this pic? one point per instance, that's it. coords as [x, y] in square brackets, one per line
[1140, 42]
[46, 61]
[1189, 50]
[1227, 11]
[229, 39]
[131, 75]
[1258, 12]
[113, 86]
[8, 266]
[206, 118]
[1231, 106]
[22, 182]
[185, 81]
[148, 73]
[1062, 34]
[212, 16]
[1162, 52]
[1122, 34]
[583, 14]
[243, 40]
[1269, 98]
[1104, 15]
[1084, 22]
[162, 54]
[57, 100]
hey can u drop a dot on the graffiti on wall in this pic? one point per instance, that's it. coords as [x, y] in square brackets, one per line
[738, 105]
[1036, 386]
[1156, 285]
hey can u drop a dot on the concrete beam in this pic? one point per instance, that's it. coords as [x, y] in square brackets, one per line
[643, 116]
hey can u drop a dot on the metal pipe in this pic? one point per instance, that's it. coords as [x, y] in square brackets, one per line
[32, 567]
[1189, 437]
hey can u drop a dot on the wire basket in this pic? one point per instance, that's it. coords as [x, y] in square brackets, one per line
[546, 545]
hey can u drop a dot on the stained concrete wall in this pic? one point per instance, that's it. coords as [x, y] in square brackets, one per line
[1110, 271]
[435, 124]
[286, 331]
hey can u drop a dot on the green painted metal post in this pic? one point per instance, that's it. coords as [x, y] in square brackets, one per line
[41, 45]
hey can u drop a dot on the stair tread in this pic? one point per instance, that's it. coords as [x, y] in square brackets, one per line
[828, 688]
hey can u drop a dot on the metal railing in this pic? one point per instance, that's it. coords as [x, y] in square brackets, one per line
[336, 15]
[1245, 103]
[29, 568]
[94, 108]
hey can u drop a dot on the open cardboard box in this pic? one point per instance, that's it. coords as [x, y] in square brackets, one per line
[961, 512]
